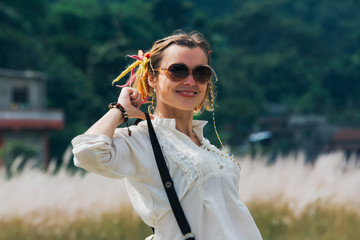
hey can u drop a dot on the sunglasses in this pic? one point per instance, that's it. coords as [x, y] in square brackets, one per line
[179, 71]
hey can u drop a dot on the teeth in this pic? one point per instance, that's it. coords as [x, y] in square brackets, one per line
[188, 93]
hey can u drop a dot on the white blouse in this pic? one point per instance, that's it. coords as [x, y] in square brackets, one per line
[206, 182]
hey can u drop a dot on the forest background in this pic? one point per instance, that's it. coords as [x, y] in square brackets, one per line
[301, 55]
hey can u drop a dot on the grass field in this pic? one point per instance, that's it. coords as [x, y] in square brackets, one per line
[288, 200]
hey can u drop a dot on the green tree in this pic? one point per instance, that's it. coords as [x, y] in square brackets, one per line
[19, 42]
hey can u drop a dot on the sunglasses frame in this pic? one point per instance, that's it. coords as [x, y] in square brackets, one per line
[190, 72]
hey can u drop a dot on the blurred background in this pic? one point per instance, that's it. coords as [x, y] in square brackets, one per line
[288, 71]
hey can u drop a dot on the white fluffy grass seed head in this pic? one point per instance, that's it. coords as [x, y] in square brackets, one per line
[331, 180]
[35, 195]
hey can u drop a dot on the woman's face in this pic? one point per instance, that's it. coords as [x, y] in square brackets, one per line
[185, 95]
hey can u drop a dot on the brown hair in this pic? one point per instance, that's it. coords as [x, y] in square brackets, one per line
[180, 38]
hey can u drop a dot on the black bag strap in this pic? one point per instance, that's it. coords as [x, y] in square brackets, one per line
[168, 184]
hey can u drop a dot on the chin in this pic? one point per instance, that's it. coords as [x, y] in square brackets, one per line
[181, 105]
[187, 107]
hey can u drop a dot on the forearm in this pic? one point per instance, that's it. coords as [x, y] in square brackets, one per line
[107, 124]
[131, 101]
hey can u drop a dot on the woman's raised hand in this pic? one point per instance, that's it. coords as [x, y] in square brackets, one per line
[131, 100]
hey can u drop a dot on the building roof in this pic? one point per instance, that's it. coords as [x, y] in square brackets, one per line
[31, 120]
[347, 134]
[28, 74]
[345, 139]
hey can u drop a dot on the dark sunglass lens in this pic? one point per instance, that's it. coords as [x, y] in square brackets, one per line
[202, 74]
[178, 71]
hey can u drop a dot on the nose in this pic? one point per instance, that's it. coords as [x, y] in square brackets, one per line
[189, 80]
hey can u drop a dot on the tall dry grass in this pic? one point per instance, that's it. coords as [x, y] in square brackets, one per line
[288, 199]
[332, 180]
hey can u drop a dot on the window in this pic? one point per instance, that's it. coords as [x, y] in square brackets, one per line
[20, 97]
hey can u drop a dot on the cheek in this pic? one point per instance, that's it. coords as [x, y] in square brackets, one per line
[165, 84]
[204, 90]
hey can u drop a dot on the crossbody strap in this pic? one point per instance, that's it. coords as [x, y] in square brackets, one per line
[168, 184]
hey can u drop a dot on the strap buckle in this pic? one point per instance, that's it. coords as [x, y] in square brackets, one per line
[189, 236]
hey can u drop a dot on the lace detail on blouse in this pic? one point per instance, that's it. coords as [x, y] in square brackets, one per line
[180, 153]
[193, 160]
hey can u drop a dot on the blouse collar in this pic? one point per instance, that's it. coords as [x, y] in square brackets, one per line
[197, 125]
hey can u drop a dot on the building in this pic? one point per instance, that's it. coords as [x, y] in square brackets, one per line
[346, 139]
[24, 118]
[310, 134]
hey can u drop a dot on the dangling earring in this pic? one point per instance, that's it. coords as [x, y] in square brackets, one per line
[151, 108]
[211, 97]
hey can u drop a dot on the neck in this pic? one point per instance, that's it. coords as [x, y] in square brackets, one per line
[183, 120]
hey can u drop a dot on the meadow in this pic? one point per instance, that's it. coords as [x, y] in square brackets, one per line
[289, 199]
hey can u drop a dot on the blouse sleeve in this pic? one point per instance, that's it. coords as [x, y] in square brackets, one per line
[119, 157]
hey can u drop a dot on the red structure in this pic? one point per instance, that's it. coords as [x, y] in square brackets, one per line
[347, 139]
[24, 118]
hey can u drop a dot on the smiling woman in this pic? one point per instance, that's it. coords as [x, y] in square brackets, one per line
[176, 75]
[178, 93]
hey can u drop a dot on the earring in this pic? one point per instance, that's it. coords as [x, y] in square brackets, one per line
[211, 97]
[151, 108]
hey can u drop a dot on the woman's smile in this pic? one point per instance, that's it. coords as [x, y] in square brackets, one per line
[187, 93]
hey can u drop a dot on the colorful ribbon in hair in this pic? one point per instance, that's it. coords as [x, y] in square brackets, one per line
[142, 61]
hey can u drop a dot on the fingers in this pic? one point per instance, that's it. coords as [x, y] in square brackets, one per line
[131, 100]
[124, 97]
[135, 99]
[129, 96]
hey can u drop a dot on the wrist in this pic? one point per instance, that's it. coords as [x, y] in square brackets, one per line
[121, 108]
[124, 113]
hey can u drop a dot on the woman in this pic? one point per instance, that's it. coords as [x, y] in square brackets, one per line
[175, 73]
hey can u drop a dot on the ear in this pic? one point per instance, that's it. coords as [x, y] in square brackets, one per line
[151, 80]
